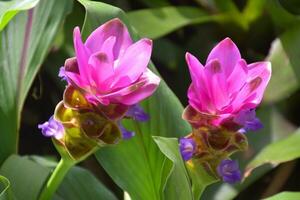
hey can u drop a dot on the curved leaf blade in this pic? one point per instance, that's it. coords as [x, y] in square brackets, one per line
[284, 80]
[10, 8]
[24, 44]
[157, 22]
[178, 185]
[5, 190]
[277, 152]
[81, 184]
[27, 182]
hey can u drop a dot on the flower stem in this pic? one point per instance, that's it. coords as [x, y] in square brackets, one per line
[56, 178]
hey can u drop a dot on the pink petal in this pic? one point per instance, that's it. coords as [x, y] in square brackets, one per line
[251, 94]
[137, 92]
[114, 28]
[133, 63]
[72, 72]
[196, 100]
[82, 55]
[262, 70]
[216, 83]
[101, 71]
[227, 53]
[197, 93]
[107, 47]
[238, 77]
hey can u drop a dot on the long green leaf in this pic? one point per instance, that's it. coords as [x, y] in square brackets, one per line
[5, 190]
[291, 43]
[24, 44]
[284, 80]
[157, 22]
[9, 9]
[80, 184]
[277, 152]
[137, 165]
[285, 196]
[26, 177]
[178, 185]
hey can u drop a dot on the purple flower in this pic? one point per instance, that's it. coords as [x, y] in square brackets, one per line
[126, 133]
[187, 148]
[229, 171]
[137, 113]
[248, 120]
[52, 128]
[62, 73]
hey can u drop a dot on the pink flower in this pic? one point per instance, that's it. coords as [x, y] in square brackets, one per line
[226, 84]
[110, 68]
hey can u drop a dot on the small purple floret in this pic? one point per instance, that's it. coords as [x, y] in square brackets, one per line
[187, 148]
[62, 73]
[52, 128]
[229, 171]
[126, 134]
[137, 113]
[249, 121]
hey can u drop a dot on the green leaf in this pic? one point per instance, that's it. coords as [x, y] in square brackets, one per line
[137, 165]
[282, 19]
[178, 185]
[253, 10]
[291, 43]
[292, 6]
[284, 81]
[157, 22]
[24, 44]
[200, 178]
[5, 190]
[81, 184]
[26, 177]
[285, 196]
[277, 152]
[10, 8]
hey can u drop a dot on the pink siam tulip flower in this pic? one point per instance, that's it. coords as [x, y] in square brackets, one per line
[110, 68]
[226, 85]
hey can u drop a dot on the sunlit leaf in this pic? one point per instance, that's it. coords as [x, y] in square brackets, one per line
[9, 9]
[24, 44]
[5, 190]
[285, 196]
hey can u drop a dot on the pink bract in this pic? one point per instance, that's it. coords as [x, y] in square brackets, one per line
[110, 68]
[226, 84]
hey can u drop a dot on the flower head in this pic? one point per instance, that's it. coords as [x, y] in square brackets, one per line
[52, 128]
[226, 84]
[187, 148]
[110, 68]
[229, 171]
